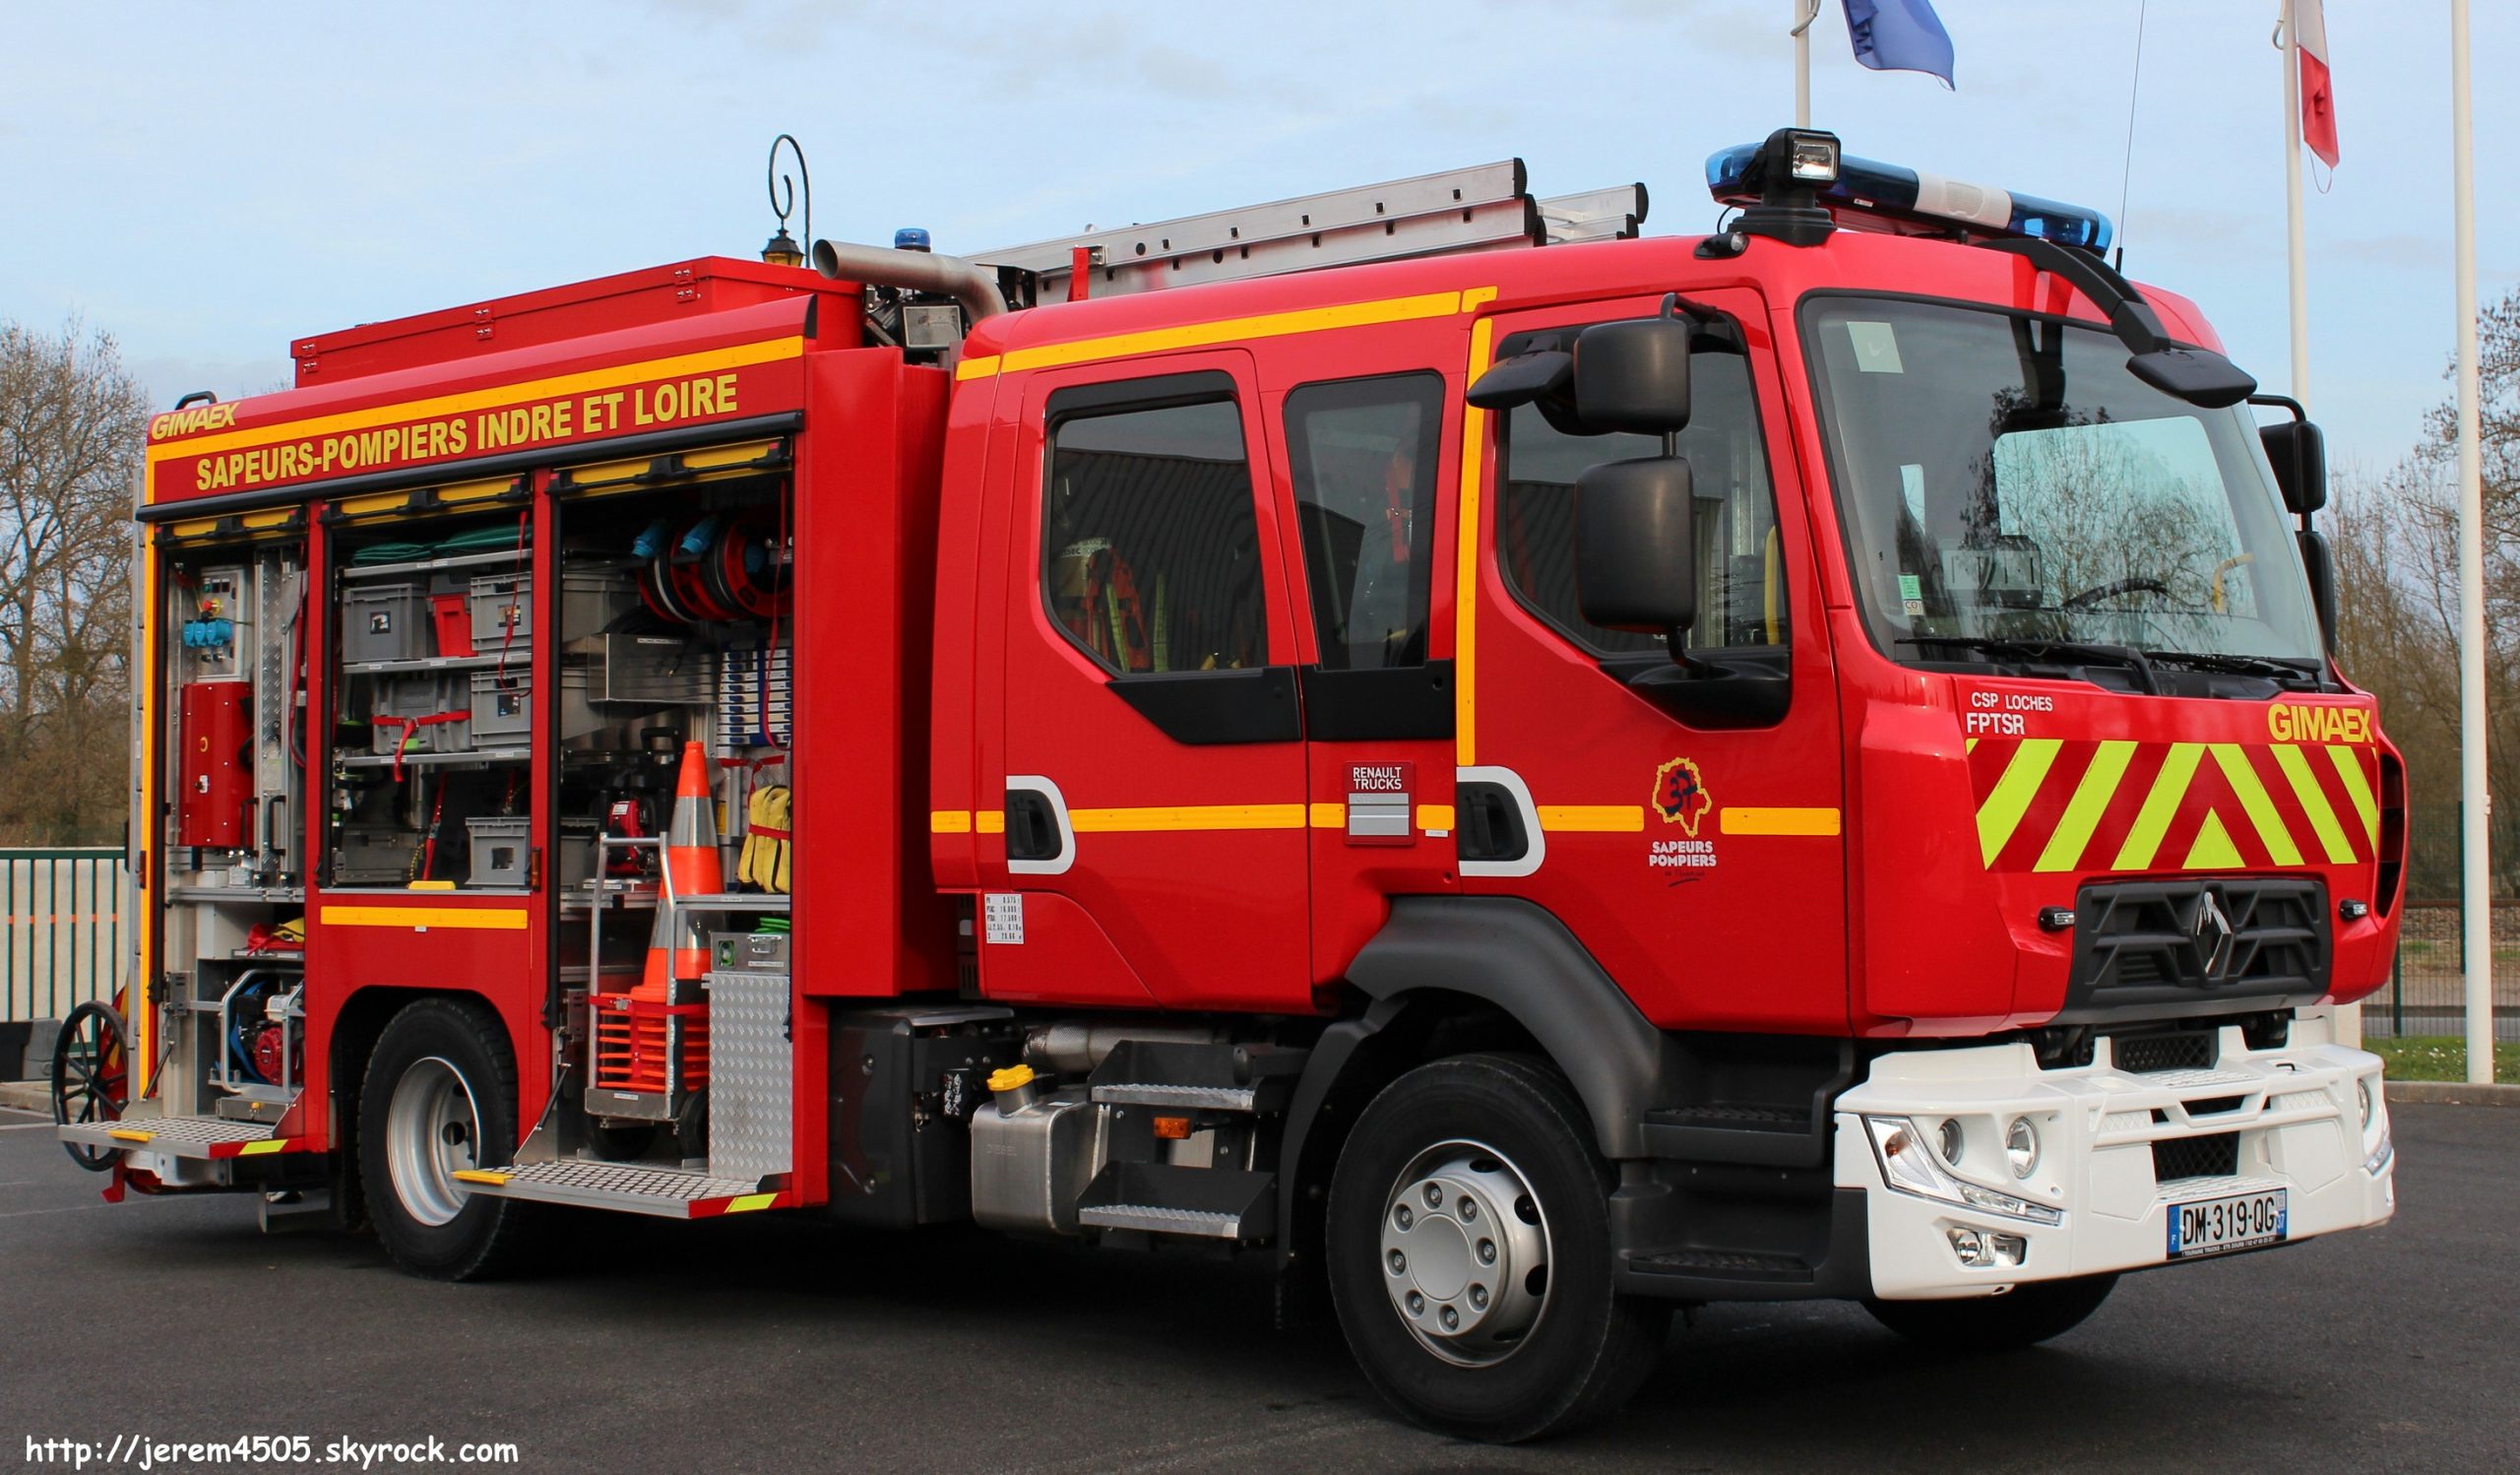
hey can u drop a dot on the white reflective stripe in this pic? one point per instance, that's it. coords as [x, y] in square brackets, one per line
[1959, 200]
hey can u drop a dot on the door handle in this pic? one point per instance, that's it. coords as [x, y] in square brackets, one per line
[1490, 823]
[1031, 827]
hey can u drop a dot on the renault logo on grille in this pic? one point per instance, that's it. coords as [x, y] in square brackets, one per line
[2212, 931]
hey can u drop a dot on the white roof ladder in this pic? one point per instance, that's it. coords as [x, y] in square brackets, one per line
[1483, 208]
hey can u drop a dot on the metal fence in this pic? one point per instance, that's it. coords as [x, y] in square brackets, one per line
[62, 943]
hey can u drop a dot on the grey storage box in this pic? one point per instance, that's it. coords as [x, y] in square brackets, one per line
[577, 851]
[373, 855]
[403, 701]
[385, 622]
[589, 600]
[502, 611]
[502, 849]
[502, 704]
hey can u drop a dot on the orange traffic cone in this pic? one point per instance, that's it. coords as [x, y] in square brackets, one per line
[691, 861]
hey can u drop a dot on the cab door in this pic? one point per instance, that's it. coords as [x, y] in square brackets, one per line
[1363, 450]
[1153, 758]
[1689, 837]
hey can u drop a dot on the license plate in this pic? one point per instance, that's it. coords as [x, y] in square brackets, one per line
[2215, 1225]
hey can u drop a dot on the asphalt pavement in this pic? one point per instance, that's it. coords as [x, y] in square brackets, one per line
[776, 1344]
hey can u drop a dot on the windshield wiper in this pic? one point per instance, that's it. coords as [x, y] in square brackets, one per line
[2281, 671]
[2024, 648]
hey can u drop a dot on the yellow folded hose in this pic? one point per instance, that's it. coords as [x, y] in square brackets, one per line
[763, 861]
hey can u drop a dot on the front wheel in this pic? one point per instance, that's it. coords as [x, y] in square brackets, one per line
[1469, 1254]
[440, 1098]
[2021, 1318]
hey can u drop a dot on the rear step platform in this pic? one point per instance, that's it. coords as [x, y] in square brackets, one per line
[627, 1188]
[208, 1138]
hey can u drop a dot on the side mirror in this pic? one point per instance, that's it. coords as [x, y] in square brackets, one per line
[1636, 544]
[1634, 375]
[2299, 453]
[2200, 376]
[2320, 564]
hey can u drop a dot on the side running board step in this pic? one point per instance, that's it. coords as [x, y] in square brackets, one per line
[1175, 1075]
[1164, 1199]
[211, 1138]
[626, 1187]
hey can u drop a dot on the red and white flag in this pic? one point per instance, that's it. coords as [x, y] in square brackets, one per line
[2318, 93]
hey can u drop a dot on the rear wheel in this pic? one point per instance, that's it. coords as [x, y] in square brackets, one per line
[1469, 1254]
[2020, 1318]
[440, 1098]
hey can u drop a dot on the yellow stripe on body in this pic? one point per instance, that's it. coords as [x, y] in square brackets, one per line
[1598, 819]
[989, 821]
[1329, 816]
[740, 356]
[257, 1149]
[482, 1176]
[2358, 786]
[1188, 817]
[1217, 332]
[129, 1134]
[1474, 452]
[2213, 850]
[1808, 820]
[2257, 804]
[454, 919]
[750, 1202]
[2010, 798]
[2333, 841]
[2161, 805]
[949, 821]
[1436, 816]
[2065, 851]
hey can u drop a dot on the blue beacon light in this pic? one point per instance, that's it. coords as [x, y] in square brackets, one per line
[1866, 186]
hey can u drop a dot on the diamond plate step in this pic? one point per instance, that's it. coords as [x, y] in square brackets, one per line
[626, 1187]
[209, 1138]
[1205, 1224]
[1187, 1098]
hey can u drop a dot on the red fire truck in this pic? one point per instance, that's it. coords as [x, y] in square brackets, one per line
[1521, 774]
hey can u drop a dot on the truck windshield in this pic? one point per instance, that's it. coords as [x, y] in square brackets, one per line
[2006, 483]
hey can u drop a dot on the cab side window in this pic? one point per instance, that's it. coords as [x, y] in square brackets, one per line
[1150, 557]
[1363, 466]
[1741, 577]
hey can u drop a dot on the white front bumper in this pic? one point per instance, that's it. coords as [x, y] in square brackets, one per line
[2296, 1114]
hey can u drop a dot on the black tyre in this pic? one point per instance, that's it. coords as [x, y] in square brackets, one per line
[2021, 1318]
[440, 1097]
[1469, 1254]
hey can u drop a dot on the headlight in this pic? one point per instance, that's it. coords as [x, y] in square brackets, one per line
[1950, 1140]
[2364, 1098]
[1910, 1167]
[2021, 1146]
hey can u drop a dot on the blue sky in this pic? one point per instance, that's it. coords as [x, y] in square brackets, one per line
[208, 182]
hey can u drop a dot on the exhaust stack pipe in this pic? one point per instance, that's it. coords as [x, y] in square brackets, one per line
[974, 286]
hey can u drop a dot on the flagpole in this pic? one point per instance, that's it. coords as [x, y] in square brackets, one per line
[2476, 879]
[1804, 13]
[2298, 254]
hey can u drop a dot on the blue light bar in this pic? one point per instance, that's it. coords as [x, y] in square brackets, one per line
[1910, 203]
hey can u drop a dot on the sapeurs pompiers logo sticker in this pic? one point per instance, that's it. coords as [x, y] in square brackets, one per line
[1680, 798]
[1680, 795]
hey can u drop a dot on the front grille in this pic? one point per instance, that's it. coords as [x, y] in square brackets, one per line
[2217, 1156]
[2192, 948]
[2193, 1050]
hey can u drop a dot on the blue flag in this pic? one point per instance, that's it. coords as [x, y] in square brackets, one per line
[1900, 35]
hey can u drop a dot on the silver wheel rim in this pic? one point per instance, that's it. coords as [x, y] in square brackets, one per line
[1466, 1252]
[431, 1131]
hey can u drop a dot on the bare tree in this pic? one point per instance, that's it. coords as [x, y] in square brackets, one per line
[72, 428]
